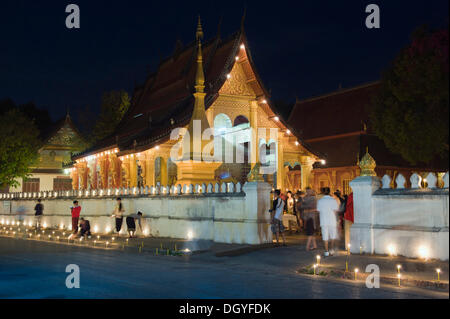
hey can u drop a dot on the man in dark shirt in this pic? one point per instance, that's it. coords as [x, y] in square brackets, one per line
[39, 211]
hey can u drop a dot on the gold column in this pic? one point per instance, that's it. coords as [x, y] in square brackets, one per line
[163, 168]
[306, 164]
[150, 170]
[254, 152]
[133, 171]
[280, 165]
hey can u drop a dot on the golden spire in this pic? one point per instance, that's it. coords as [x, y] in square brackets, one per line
[200, 76]
[367, 165]
[199, 113]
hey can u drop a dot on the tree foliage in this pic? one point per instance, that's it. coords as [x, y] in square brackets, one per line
[19, 145]
[114, 105]
[410, 113]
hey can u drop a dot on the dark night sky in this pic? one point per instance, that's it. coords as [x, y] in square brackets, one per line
[301, 48]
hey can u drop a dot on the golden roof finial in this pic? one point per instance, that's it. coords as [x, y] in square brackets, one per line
[367, 165]
[199, 34]
[199, 77]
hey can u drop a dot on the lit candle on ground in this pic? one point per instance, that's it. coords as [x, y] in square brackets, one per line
[399, 276]
[318, 259]
[356, 273]
[106, 244]
[348, 249]
[398, 268]
[315, 266]
[438, 273]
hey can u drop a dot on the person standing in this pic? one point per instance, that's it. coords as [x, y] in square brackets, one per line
[75, 211]
[327, 207]
[348, 218]
[309, 207]
[276, 217]
[299, 210]
[38, 212]
[118, 214]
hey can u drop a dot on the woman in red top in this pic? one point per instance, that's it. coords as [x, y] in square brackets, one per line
[348, 219]
[75, 210]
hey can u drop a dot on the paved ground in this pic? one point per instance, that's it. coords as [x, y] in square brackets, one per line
[30, 269]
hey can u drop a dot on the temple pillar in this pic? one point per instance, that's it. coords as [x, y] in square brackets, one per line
[306, 165]
[74, 176]
[150, 170]
[163, 171]
[280, 165]
[133, 171]
[254, 151]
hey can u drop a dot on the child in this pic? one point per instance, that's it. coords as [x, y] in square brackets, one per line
[85, 228]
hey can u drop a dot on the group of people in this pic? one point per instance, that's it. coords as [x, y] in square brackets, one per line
[83, 225]
[329, 214]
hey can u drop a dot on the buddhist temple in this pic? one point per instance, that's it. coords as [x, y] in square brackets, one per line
[215, 84]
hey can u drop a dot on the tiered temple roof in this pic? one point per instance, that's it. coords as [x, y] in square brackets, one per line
[165, 101]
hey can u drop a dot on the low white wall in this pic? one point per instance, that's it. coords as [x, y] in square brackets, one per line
[228, 217]
[407, 222]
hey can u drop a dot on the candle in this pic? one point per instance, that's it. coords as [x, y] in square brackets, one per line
[315, 266]
[438, 273]
[356, 273]
[348, 249]
[318, 259]
[399, 276]
[398, 268]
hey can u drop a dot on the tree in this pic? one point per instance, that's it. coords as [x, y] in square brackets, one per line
[19, 145]
[114, 106]
[410, 113]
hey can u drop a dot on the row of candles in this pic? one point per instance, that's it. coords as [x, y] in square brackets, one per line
[356, 270]
[42, 234]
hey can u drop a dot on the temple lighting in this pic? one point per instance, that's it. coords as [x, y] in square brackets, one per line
[242, 46]
[228, 75]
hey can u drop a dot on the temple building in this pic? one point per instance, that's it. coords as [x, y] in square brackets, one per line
[337, 125]
[214, 84]
[59, 142]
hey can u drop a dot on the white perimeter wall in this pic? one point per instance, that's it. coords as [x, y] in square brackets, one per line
[222, 217]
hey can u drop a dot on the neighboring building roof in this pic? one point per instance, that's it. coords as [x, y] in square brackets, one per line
[339, 112]
[337, 125]
[61, 133]
[166, 99]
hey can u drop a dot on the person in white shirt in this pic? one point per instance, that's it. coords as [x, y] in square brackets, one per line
[277, 217]
[327, 207]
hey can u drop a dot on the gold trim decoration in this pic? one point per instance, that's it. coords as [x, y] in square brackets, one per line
[367, 165]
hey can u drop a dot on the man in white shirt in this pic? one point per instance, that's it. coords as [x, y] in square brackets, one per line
[327, 207]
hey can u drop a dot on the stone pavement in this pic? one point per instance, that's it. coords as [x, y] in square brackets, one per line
[414, 272]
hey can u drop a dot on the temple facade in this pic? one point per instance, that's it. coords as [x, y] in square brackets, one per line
[215, 84]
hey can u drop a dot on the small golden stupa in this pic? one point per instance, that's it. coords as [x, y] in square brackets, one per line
[367, 165]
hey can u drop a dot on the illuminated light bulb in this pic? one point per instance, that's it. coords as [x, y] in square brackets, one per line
[323, 162]
[236, 58]
[228, 75]
[391, 250]
[296, 143]
[423, 252]
[276, 118]
[288, 132]
[242, 46]
[264, 101]
[157, 147]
